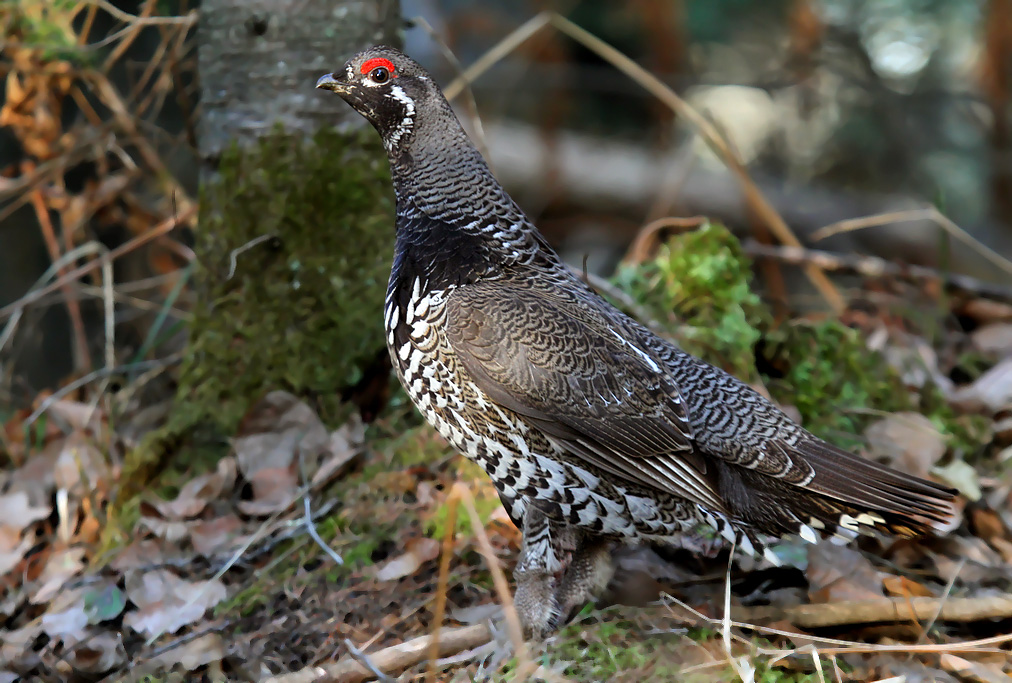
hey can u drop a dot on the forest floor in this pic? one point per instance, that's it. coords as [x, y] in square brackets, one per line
[301, 552]
[294, 550]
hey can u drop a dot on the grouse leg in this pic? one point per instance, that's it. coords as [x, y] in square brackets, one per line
[547, 550]
[587, 575]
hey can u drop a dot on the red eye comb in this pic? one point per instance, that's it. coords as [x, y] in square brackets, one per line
[371, 64]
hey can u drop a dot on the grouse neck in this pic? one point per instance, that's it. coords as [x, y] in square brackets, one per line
[448, 201]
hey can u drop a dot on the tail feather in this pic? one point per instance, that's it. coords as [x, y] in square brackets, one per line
[865, 493]
[846, 496]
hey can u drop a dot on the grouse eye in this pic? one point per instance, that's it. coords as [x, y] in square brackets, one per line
[379, 75]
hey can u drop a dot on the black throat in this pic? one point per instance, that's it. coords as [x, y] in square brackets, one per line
[439, 254]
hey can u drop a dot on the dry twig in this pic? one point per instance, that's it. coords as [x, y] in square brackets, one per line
[391, 660]
[162, 228]
[875, 267]
[883, 610]
[929, 213]
[753, 196]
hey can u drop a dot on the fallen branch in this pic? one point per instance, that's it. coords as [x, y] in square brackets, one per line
[392, 660]
[873, 266]
[884, 610]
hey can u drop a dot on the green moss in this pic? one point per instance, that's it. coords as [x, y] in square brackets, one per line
[833, 379]
[698, 287]
[302, 309]
[615, 650]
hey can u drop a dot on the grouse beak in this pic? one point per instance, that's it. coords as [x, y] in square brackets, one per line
[329, 82]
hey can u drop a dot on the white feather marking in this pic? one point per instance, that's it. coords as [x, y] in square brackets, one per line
[850, 523]
[869, 519]
[407, 123]
[641, 354]
[808, 534]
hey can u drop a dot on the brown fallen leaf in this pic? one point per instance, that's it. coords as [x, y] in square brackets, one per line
[986, 523]
[973, 672]
[81, 467]
[907, 441]
[903, 587]
[172, 530]
[66, 618]
[275, 431]
[166, 602]
[195, 494]
[62, 565]
[18, 513]
[838, 573]
[344, 445]
[194, 654]
[419, 550]
[217, 535]
[989, 392]
[274, 489]
[18, 641]
[100, 652]
[79, 416]
[13, 547]
[994, 338]
[140, 552]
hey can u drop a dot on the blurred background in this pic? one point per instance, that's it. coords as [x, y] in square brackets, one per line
[840, 109]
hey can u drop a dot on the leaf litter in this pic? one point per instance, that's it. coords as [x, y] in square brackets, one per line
[225, 553]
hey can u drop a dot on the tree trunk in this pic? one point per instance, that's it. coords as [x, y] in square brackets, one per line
[296, 219]
[259, 61]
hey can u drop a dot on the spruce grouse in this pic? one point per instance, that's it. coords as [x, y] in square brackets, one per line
[592, 428]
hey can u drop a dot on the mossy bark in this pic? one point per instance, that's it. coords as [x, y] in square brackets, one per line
[295, 242]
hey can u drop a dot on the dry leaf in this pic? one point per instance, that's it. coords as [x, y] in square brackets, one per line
[275, 431]
[419, 551]
[194, 654]
[344, 444]
[80, 466]
[995, 338]
[13, 547]
[273, 490]
[836, 573]
[908, 441]
[62, 565]
[172, 531]
[79, 416]
[217, 535]
[902, 586]
[198, 492]
[986, 523]
[18, 641]
[140, 552]
[972, 672]
[102, 651]
[66, 618]
[991, 391]
[166, 603]
[17, 513]
[961, 476]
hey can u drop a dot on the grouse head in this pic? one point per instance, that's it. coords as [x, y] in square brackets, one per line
[386, 87]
